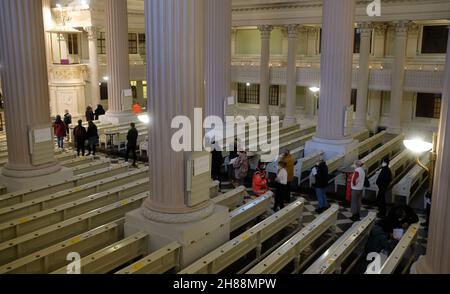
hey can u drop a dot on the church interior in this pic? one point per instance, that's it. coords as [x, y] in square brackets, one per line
[354, 96]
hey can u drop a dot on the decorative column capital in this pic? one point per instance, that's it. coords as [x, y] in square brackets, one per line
[92, 32]
[380, 29]
[265, 30]
[401, 27]
[292, 30]
[365, 29]
[312, 30]
[413, 28]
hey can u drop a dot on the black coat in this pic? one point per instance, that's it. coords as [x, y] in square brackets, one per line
[90, 116]
[98, 112]
[385, 178]
[322, 176]
[92, 132]
[132, 137]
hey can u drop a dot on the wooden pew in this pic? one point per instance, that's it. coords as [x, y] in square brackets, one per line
[370, 144]
[32, 222]
[91, 166]
[305, 164]
[159, 262]
[411, 183]
[45, 237]
[398, 166]
[54, 257]
[361, 135]
[114, 256]
[250, 211]
[224, 256]
[57, 186]
[399, 252]
[231, 199]
[292, 249]
[25, 198]
[3, 190]
[331, 261]
[296, 153]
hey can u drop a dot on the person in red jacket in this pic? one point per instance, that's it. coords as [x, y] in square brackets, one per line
[260, 181]
[59, 128]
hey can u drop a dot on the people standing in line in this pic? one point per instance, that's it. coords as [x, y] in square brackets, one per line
[132, 137]
[383, 182]
[260, 180]
[99, 112]
[90, 116]
[216, 161]
[92, 137]
[320, 173]
[79, 135]
[358, 180]
[67, 122]
[290, 164]
[241, 167]
[60, 131]
[281, 186]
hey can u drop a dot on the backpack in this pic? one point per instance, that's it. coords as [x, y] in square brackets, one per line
[79, 132]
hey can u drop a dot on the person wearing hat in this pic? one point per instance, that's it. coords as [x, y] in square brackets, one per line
[383, 182]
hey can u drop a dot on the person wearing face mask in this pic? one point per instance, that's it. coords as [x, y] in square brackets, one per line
[383, 182]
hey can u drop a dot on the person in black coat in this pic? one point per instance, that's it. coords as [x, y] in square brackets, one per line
[132, 137]
[216, 164]
[320, 173]
[383, 182]
[92, 137]
[99, 111]
[79, 136]
[90, 116]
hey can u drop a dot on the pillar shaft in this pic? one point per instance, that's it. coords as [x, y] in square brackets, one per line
[117, 53]
[291, 96]
[437, 258]
[336, 67]
[93, 66]
[175, 71]
[398, 77]
[264, 68]
[25, 83]
[218, 55]
[363, 76]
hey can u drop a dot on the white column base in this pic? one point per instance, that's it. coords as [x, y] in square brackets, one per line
[14, 184]
[197, 238]
[333, 148]
[118, 118]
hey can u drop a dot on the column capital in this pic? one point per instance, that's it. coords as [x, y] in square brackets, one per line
[92, 32]
[265, 30]
[312, 30]
[413, 28]
[365, 28]
[401, 27]
[380, 29]
[292, 30]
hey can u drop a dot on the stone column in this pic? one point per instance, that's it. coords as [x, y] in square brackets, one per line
[291, 97]
[365, 30]
[437, 258]
[25, 87]
[379, 40]
[375, 109]
[218, 55]
[117, 61]
[398, 77]
[264, 68]
[336, 80]
[175, 47]
[93, 66]
[234, 32]
[313, 40]
[47, 14]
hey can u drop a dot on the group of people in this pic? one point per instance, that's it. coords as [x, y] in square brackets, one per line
[61, 128]
[92, 115]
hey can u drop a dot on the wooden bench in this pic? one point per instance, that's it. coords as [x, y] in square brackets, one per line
[367, 146]
[224, 256]
[305, 164]
[114, 256]
[361, 135]
[23, 195]
[45, 237]
[91, 166]
[331, 261]
[159, 262]
[54, 257]
[250, 211]
[400, 251]
[292, 249]
[411, 183]
[296, 153]
[231, 199]
[32, 222]
[3, 190]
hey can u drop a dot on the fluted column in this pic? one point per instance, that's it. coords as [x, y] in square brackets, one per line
[336, 67]
[218, 55]
[437, 258]
[175, 46]
[290, 119]
[264, 68]
[365, 30]
[93, 65]
[47, 14]
[379, 40]
[398, 77]
[25, 85]
[117, 54]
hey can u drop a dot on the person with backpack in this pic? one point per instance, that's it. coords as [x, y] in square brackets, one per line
[79, 135]
[92, 137]
[132, 137]
[60, 131]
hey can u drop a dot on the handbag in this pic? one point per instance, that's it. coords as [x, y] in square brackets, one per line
[366, 183]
